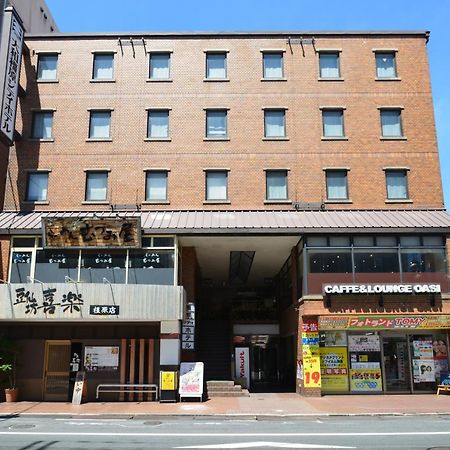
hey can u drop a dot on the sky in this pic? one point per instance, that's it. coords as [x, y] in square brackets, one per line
[250, 15]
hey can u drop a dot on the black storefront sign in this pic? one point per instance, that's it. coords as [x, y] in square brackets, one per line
[104, 310]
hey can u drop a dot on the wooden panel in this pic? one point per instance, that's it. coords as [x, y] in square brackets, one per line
[56, 374]
[141, 365]
[123, 365]
[132, 366]
[151, 352]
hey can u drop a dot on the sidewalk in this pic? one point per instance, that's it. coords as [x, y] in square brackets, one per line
[257, 405]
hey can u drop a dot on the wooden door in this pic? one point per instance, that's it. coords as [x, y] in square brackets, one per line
[56, 370]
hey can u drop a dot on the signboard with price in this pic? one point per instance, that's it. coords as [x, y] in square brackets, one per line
[311, 354]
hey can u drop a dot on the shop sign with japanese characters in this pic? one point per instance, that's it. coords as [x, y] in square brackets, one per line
[85, 232]
[188, 328]
[11, 53]
[385, 322]
[311, 355]
[396, 288]
[104, 310]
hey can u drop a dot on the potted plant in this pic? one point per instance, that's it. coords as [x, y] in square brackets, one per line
[8, 364]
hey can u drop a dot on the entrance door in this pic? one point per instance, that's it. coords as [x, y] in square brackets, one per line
[264, 363]
[396, 364]
[57, 370]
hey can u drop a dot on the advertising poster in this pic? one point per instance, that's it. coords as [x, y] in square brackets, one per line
[423, 371]
[333, 338]
[334, 369]
[366, 377]
[311, 354]
[242, 364]
[101, 359]
[191, 379]
[440, 356]
[364, 343]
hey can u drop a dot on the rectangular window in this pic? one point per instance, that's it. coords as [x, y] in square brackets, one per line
[276, 185]
[274, 123]
[217, 185]
[156, 186]
[160, 66]
[103, 66]
[96, 186]
[333, 123]
[329, 65]
[37, 187]
[337, 188]
[216, 65]
[216, 124]
[47, 67]
[42, 125]
[100, 125]
[391, 124]
[273, 65]
[396, 184]
[158, 124]
[386, 67]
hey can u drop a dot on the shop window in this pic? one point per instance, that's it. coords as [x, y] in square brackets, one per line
[386, 241]
[105, 264]
[20, 242]
[42, 125]
[100, 125]
[159, 66]
[376, 261]
[273, 65]
[47, 67]
[363, 241]
[53, 266]
[103, 67]
[216, 65]
[339, 241]
[151, 266]
[329, 65]
[163, 241]
[432, 241]
[329, 261]
[317, 241]
[419, 260]
[410, 241]
[20, 266]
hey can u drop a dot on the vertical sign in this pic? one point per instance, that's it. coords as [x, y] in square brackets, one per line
[10, 58]
[80, 389]
[311, 354]
[188, 328]
[242, 364]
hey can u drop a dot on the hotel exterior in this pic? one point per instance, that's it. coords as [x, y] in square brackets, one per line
[269, 204]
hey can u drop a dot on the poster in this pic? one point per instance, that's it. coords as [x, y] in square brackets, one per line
[334, 369]
[333, 338]
[311, 354]
[242, 364]
[168, 381]
[423, 348]
[366, 377]
[423, 371]
[191, 379]
[101, 359]
[440, 356]
[364, 343]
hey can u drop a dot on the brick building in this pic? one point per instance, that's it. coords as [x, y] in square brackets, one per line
[267, 203]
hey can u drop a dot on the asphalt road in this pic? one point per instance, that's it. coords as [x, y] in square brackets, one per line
[380, 432]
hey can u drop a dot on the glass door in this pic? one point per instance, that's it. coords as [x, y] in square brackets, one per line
[396, 364]
[264, 363]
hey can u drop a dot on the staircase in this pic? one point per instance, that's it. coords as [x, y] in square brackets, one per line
[214, 349]
[220, 388]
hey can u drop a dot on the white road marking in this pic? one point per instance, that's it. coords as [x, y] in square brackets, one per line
[133, 434]
[265, 444]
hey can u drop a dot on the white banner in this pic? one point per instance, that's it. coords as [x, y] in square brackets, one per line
[11, 53]
[242, 363]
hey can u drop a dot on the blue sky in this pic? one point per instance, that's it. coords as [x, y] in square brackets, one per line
[248, 15]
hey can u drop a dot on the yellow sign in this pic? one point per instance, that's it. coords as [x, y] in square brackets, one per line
[310, 351]
[168, 381]
[334, 369]
[311, 371]
[366, 380]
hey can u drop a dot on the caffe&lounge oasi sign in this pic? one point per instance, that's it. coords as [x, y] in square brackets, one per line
[78, 232]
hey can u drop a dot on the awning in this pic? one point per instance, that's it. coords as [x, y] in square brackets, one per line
[252, 222]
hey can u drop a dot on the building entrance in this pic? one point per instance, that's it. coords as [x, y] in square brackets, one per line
[56, 370]
[396, 364]
[264, 363]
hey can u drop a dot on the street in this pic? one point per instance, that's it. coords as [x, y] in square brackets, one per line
[326, 432]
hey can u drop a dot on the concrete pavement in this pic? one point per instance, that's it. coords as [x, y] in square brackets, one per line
[264, 405]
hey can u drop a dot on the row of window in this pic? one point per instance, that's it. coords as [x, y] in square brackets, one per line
[216, 185]
[216, 65]
[217, 124]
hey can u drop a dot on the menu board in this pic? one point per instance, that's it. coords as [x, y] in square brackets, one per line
[101, 359]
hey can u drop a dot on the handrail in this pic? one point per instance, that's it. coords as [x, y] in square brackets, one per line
[106, 281]
[33, 280]
[67, 279]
